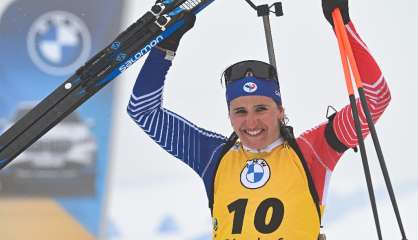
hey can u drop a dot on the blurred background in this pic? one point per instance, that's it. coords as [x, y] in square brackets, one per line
[110, 181]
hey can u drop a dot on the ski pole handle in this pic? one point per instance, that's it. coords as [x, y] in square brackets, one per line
[344, 61]
[339, 24]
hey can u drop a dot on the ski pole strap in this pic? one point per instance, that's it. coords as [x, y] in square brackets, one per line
[251, 4]
[332, 138]
[264, 9]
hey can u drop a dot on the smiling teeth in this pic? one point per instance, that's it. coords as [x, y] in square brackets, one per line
[254, 133]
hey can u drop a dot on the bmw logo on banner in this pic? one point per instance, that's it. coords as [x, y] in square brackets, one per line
[255, 174]
[59, 42]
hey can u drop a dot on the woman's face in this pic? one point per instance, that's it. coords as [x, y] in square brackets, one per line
[255, 120]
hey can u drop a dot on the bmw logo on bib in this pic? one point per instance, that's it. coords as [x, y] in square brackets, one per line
[255, 174]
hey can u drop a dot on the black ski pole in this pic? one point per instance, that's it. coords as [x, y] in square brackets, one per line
[264, 12]
[376, 142]
[382, 162]
[338, 31]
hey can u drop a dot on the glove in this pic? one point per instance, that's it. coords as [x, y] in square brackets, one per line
[329, 5]
[172, 42]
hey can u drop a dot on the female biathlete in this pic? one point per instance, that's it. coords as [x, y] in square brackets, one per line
[269, 184]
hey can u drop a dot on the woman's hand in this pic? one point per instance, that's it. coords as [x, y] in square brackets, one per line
[172, 42]
[329, 5]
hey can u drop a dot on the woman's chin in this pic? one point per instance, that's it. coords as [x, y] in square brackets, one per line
[259, 142]
[255, 144]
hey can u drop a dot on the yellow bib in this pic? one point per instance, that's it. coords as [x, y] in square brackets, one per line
[260, 196]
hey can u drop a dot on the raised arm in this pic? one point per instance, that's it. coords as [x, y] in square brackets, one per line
[323, 145]
[179, 137]
[375, 88]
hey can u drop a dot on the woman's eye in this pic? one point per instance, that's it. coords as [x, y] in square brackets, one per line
[240, 111]
[260, 109]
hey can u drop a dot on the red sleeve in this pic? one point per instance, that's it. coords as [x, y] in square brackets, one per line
[375, 89]
[319, 155]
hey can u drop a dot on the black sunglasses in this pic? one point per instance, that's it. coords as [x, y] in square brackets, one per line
[247, 68]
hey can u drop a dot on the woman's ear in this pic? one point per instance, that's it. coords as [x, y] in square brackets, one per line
[281, 112]
[281, 109]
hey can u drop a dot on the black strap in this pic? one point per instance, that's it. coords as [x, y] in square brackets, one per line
[293, 144]
[251, 4]
[228, 145]
[331, 137]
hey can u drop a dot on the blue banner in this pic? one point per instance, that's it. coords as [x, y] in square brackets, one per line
[42, 43]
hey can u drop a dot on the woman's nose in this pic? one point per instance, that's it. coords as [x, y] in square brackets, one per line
[251, 121]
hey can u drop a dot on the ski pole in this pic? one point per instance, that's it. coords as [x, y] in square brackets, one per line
[264, 12]
[338, 30]
[269, 39]
[339, 22]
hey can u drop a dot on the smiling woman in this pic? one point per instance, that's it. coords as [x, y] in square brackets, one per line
[256, 120]
[254, 102]
[267, 184]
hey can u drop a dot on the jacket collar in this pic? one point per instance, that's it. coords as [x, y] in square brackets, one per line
[268, 148]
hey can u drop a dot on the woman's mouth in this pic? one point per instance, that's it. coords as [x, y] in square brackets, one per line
[253, 133]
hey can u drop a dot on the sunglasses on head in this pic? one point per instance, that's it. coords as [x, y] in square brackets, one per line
[250, 68]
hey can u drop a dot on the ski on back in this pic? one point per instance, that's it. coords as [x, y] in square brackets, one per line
[160, 22]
